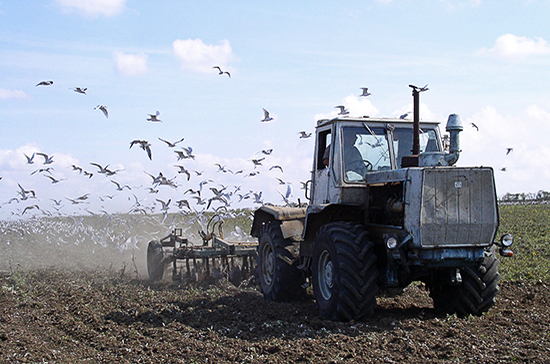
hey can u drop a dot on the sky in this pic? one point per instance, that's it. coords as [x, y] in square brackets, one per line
[485, 60]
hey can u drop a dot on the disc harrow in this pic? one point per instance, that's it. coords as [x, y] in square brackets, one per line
[214, 259]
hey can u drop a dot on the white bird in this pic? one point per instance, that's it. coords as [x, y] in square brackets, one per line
[403, 116]
[304, 135]
[509, 150]
[343, 110]
[170, 144]
[365, 91]
[220, 72]
[266, 116]
[103, 108]
[475, 126]
[45, 83]
[154, 117]
[47, 159]
[30, 160]
[80, 90]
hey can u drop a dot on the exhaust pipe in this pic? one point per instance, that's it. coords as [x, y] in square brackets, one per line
[454, 127]
[412, 160]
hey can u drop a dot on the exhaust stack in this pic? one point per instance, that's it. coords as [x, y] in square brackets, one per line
[412, 160]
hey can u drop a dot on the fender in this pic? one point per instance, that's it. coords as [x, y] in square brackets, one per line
[292, 220]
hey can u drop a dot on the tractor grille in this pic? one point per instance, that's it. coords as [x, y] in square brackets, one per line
[458, 207]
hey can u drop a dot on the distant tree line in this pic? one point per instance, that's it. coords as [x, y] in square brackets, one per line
[541, 197]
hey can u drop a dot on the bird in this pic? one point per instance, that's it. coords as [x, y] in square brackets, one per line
[365, 91]
[404, 116]
[47, 159]
[154, 117]
[257, 162]
[183, 170]
[475, 126]
[266, 116]
[30, 160]
[119, 187]
[45, 83]
[220, 72]
[509, 150]
[170, 144]
[304, 135]
[144, 144]
[54, 180]
[103, 108]
[267, 151]
[276, 167]
[30, 208]
[343, 110]
[80, 90]
[503, 169]
[40, 170]
[77, 168]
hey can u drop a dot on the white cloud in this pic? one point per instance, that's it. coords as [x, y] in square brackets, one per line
[197, 56]
[512, 46]
[528, 165]
[93, 7]
[12, 94]
[131, 64]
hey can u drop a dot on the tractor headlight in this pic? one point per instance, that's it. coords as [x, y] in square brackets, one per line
[391, 243]
[507, 240]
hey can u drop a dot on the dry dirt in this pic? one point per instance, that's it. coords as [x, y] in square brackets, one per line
[60, 316]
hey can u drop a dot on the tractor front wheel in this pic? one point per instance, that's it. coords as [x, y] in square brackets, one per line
[344, 272]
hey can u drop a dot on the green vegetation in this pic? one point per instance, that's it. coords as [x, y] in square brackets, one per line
[530, 226]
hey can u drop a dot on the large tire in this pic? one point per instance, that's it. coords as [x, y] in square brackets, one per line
[344, 272]
[280, 278]
[475, 295]
[155, 261]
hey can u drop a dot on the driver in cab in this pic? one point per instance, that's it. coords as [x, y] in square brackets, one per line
[354, 166]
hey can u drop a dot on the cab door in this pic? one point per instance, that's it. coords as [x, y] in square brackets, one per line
[322, 167]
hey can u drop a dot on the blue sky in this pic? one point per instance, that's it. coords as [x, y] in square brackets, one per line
[485, 60]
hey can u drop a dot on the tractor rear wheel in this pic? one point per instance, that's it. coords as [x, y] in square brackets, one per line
[344, 273]
[475, 295]
[280, 278]
[155, 261]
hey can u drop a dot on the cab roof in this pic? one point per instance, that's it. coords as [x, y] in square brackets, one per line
[367, 119]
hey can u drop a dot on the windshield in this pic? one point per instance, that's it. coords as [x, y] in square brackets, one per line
[365, 148]
[403, 141]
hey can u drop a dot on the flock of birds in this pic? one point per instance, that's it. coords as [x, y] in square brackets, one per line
[206, 195]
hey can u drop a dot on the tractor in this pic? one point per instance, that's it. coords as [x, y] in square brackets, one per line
[387, 206]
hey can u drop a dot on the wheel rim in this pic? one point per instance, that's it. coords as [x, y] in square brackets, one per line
[325, 275]
[268, 264]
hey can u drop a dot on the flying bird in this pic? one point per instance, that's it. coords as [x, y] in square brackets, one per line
[475, 126]
[30, 160]
[220, 72]
[80, 90]
[170, 144]
[54, 180]
[154, 117]
[365, 91]
[47, 159]
[267, 151]
[119, 187]
[266, 116]
[103, 108]
[404, 116]
[304, 135]
[509, 150]
[143, 144]
[343, 110]
[45, 83]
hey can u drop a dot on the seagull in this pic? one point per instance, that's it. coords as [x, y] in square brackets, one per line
[104, 109]
[475, 126]
[77, 168]
[54, 180]
[45, 83]
[276, 166]
[343, 110]
[144, 144]
[119, 187]
[509, 150]
[365, 91]
[183, 170]
[304, 135]
[220, 72]
[30, 160]
[257, 162]
[267, 151]
[404, 116]
[503, 169]
[30, 208]
[170, 144]
[266, 116]
[47, 159]
[80, 90]
[154, 117]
